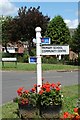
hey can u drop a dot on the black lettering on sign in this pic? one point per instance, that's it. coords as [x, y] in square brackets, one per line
[61, 50]
[57, 47]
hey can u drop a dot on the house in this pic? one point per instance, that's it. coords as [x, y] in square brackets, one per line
[73, 55]
[16, 48]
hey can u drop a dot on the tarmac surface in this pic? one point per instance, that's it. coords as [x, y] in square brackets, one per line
[12, 80]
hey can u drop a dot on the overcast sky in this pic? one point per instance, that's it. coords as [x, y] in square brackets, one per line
[68, 10]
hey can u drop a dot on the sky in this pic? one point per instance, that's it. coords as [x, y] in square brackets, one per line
[68, 10]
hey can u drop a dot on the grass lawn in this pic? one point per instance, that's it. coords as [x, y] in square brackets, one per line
[70, 98]
[32, 67]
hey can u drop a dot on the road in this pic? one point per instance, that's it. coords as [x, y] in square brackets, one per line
[12, 80]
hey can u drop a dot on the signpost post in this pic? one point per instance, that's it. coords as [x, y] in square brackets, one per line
[45, 50]
[38, 55]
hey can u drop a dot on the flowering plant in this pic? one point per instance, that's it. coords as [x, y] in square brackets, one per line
[49, 94]
[74, 116]
[26, 97]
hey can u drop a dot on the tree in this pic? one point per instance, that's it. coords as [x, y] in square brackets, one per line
[0, 30]
[6, 30]
[22, 27]
[75, 42]
[9, 30]
[28, 21]
[58, 31]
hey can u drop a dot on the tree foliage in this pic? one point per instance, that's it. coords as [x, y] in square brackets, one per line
[7, 30]
[58, 31]
[75, 42]
[7, 27]
[22, 27]
[0, 29]
[28, 21]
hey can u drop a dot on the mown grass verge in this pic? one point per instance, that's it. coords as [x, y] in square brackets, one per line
[70, 98]
[32, 67]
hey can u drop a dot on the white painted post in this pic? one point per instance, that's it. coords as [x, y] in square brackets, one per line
[59, 57]
[38, 55]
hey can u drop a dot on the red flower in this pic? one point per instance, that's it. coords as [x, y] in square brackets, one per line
[66, 114]
[19, 91]
[47, 85]
[23, 102]
[58, 83]
[41, 92]
[77, 117]
[57, 88]
[53, 85]
[26, 101]
[26, 91]
[47, 89]
[76, 110]
[33, 89]
[43, 86]
[35, 85]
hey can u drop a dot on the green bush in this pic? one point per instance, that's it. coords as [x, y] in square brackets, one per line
[49, 60]
[22, 57]
[73, 62]
[33, 52]
[25, 57]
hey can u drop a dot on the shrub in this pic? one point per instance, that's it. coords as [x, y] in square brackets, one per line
[49, 60]
[25, 57]
[7, 54]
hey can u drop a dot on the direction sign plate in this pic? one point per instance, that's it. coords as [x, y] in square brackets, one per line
[55, 50]
[32, 60]
[45, 40]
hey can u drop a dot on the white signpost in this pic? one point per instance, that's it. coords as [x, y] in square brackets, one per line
[38, 55]
[55, 50]
[46, 50]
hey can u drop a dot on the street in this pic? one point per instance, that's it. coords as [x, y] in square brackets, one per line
[12, 80]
